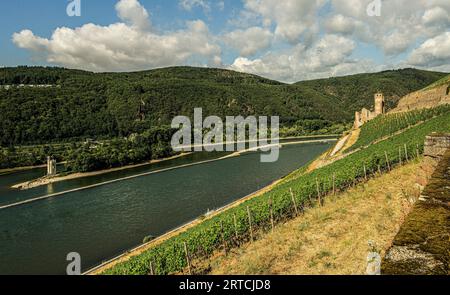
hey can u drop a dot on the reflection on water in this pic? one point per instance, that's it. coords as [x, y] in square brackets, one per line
[50, 189]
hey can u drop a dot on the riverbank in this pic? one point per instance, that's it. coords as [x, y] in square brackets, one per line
[49, 180]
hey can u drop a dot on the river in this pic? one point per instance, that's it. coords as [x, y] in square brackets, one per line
[103, 221]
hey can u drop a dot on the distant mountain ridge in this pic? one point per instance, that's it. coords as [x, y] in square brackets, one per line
[96, 105]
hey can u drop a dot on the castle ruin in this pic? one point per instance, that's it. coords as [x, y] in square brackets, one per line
[365, 115]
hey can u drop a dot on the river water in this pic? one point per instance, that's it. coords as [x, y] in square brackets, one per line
[102, 222]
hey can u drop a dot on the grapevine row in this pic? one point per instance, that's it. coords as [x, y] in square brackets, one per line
[389, 124]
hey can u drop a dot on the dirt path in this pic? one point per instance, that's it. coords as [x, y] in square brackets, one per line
[336, 153]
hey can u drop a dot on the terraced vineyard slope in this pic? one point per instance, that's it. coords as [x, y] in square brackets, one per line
[241, 223]
[390, 124]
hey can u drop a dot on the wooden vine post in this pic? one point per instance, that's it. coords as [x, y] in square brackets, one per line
[334, 184]
[318, 193]
[271, 214]
[365, 172]
[235, 227]
[188, 260]
[406, 153]
[224, 242]
[152, 271]
[400, 155]
[417, 151]
[250, 223]
[387, 160]
[294, 202]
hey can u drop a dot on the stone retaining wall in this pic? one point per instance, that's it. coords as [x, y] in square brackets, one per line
[427, 98]
[422, 246]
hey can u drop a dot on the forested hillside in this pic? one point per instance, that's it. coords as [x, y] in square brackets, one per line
[355, 92]
[106, 105]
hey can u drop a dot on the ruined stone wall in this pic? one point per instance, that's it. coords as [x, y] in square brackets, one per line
[435, 147]
[366, 115]
[424, 99]
[357, 123]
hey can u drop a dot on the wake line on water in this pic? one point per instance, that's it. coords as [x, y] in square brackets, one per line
[103, 183]
[33, 200]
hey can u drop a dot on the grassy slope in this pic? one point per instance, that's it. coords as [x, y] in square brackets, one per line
[438, 83]
[332, 239]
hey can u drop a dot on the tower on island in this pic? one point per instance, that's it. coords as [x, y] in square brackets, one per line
[51, 166]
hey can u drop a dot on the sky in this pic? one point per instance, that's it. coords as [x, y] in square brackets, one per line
[285, 40]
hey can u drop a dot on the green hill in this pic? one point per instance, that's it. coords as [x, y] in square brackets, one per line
[105, 105]
[438, 83]
[356, 91]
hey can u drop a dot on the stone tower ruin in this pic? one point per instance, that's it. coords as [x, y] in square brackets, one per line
[380, 104]
[365, 115]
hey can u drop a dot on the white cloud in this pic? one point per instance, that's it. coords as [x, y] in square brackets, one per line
[292, 18]
[340, 24]
[221, 5]
[123, 46]
[249, 41]
[434, 52]
[286, 40]
[401, 23]
[190, 4]
[329, 56]
[28, 40]
[396, 43]
[436, 15]
[132, 12]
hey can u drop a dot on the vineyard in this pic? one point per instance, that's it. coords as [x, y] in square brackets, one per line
[388, 125]
[242, 223]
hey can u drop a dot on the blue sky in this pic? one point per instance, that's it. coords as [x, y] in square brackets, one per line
[44, 16]
[287, 40]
